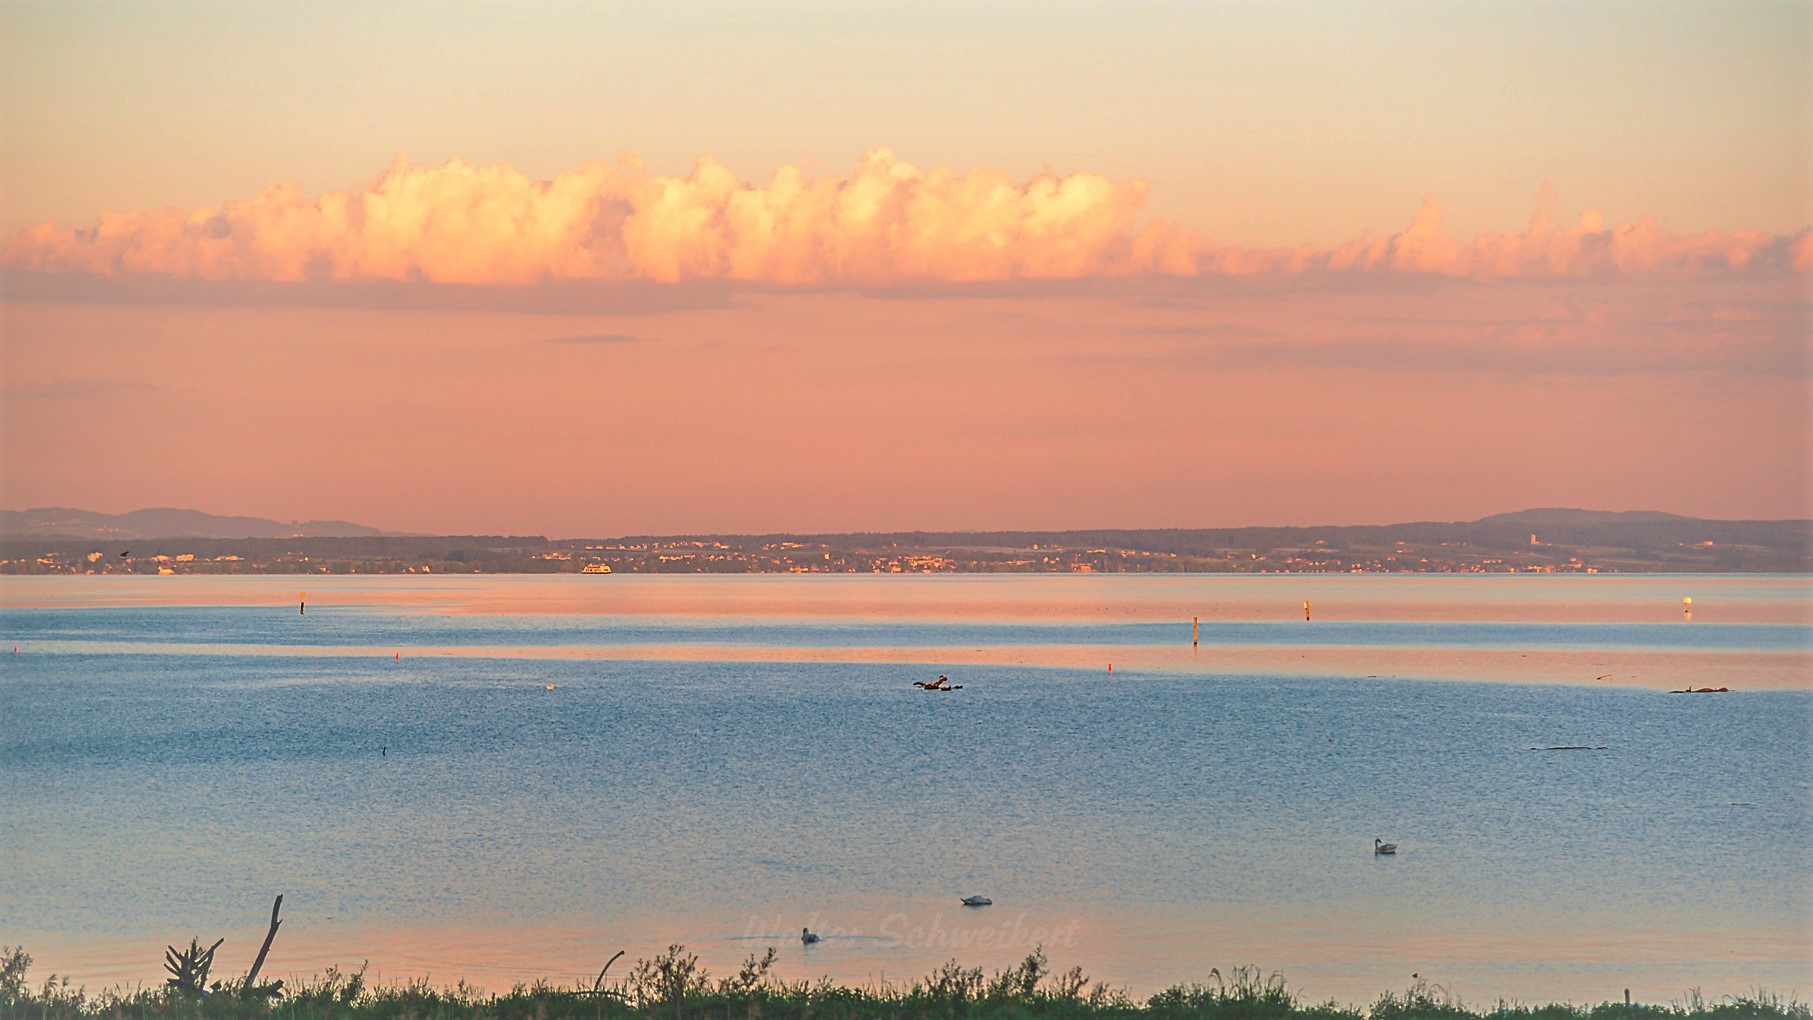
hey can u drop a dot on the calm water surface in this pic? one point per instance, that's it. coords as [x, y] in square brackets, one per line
[723, 760]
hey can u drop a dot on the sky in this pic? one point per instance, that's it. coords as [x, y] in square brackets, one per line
[592, 270]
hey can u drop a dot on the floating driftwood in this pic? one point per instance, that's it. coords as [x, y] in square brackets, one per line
[1572, 747]
[1702, 690]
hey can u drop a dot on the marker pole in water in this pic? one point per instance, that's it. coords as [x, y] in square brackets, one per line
[1306, 609]
[1111, 667]
[302, 604]
[1195, 629]
[1687, 607]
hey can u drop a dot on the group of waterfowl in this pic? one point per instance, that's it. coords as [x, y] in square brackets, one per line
[808, 937]
[943, 683]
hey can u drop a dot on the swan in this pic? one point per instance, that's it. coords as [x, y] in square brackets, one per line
[806, 936]
[1379, 846]
[977, 901]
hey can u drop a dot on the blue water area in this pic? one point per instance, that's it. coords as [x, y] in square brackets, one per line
[163, 794]
[385, 627]
[163, 773]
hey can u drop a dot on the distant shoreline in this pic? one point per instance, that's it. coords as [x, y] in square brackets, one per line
[1529, 541]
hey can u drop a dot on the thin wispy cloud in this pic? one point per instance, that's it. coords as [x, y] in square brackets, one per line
[76, 389]
[1510, 348]
[595, 339]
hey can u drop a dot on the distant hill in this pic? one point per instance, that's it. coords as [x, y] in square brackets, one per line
[1644, 529]
[1558, 516]
[1641, 531]
[163, 522]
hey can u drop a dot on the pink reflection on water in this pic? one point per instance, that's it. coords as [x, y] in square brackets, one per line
[1652, 669]
[1025, 598]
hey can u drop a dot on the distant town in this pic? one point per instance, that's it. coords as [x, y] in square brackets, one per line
[1534, 541]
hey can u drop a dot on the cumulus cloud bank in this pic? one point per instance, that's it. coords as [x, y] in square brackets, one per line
[1588, 248]
[457, 223]
[888, 221]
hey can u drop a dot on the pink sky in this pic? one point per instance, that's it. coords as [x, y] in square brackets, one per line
[876, 339]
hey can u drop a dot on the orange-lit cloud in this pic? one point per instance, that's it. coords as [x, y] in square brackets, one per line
[1588, 248]
[461, 224]
[887, 222]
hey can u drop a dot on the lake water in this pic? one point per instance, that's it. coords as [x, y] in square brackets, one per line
[723, 760]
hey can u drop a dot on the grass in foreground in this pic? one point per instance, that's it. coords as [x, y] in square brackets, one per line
[673, 986]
